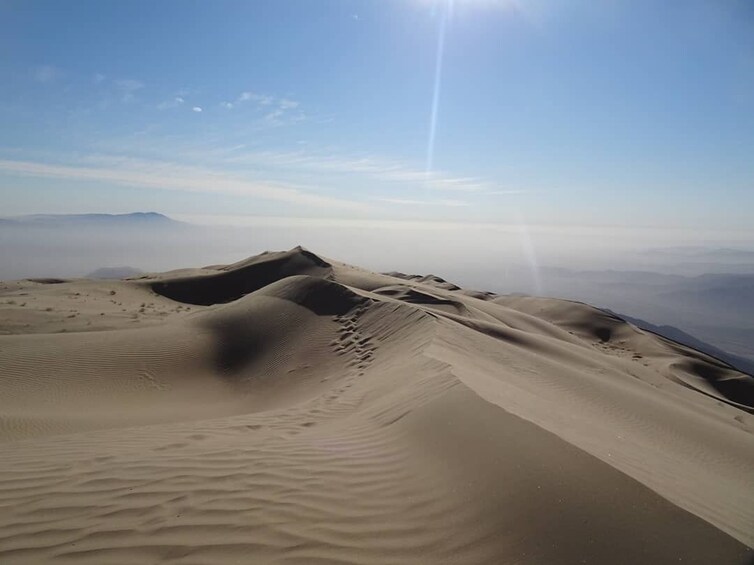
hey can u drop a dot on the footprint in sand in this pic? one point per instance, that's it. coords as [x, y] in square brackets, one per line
[352, 340]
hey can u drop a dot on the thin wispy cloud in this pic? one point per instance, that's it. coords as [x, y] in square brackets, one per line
[504, 192]
[269, 109]
[414, 202]
[172, 176]
[129, 85]
[175, 102]
[261, 99]
[128, 88]
[379, 180]
[46, 74]
[286, 104]
[276, 110]
[274, 115]
[376, 168]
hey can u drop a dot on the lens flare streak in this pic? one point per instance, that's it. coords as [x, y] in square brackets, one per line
[445, 12]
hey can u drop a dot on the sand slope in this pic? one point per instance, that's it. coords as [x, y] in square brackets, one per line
[293, 409]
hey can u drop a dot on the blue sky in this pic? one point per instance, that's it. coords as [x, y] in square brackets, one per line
[630, 113]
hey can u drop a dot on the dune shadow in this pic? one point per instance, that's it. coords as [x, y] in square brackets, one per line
[234, 281]
[737, 388]
[244, 331]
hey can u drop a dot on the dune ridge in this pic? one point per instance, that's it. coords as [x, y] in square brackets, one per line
[293, 409]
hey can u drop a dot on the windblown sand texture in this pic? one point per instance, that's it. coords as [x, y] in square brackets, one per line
[293, 409]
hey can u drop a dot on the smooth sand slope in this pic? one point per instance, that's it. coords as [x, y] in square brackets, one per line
[293, 409]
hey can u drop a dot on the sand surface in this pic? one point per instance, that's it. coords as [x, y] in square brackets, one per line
[293, 409]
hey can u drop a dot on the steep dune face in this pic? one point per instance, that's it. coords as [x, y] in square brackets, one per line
[308, 411]
[234, 281]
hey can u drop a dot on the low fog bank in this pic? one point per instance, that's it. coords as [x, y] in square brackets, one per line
[508, 257]
[705, 288]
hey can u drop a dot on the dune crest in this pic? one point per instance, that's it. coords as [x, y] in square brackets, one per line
[292, 409]
[231, 282]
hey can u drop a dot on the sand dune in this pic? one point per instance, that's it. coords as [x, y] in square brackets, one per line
[293, 409]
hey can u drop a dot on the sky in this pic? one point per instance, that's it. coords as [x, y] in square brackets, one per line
[551, 113]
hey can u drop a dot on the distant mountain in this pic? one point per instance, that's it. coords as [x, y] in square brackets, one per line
[114, 273]
[703, 253]
[611, 276]
[720, 299]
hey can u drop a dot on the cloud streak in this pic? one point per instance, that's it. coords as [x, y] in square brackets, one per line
[261, 99]
[170, 176]
[275, 108]
[173, 103]
[379, 169]
[128, 88]
[46, 74]
[412, 202]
